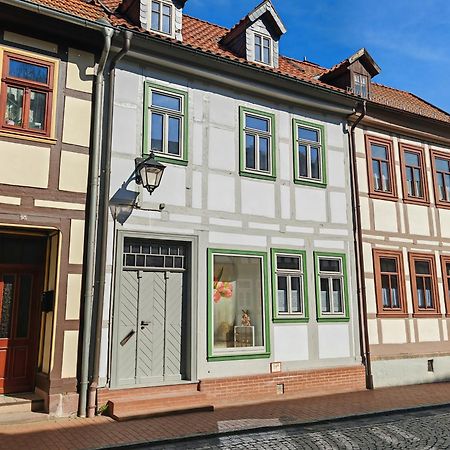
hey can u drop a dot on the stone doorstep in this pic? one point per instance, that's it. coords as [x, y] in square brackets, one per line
[134, 407]
[21, 403]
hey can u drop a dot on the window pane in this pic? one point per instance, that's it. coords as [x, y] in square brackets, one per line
[422, 267]
[325, 295]
[264, 154]
[303, 161]
[394, 292]
[443, 165]
[388, 265]
[410, 181]
[379, 151]
[36, 117]
[174, 136]
[315, 163]
[7, 293]
[308, 135]
[157, 132]
[412, 159]
[166, 19]
[166, 101]
[376, 175]
[266, 53]
[447, 187]
[448, 269]
[420, 292]
[282, 295]
[237, 288]
[330, 265]
[385, 177]
[418, 191]
[155, 21]
[296, 303]
[288, 262]
[258, 48]
[27, 71]
[23, 310]
[155, 6]
[337, 296]
[14, 106]
[441, 187]
[385, 291]
[428, 294]
[250, 151]
[256, 123]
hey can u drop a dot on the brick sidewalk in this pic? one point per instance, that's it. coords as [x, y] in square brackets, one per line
[68, 434]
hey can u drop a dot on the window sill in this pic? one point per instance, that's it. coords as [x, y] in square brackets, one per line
[317, 184]
[257, 176]
[239, 357]
[412, 201]
[168, 160]
[24, 136]
[422, 314]
[333, 319]
[392, 315]
[291, 320]
[380, 196]
[443, 205]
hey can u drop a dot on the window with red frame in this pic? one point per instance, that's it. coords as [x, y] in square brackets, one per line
[424, 284]
[26, 94]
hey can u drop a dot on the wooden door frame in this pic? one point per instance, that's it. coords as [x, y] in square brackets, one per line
[192, 289]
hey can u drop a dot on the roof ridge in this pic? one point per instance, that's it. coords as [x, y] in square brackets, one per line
[207, 22]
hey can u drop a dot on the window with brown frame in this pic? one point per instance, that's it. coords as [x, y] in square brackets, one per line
[424, 284]
[380, 163]
[414, 179]
[445, 262]
[26, 94]
[441, 178]
[390, 283]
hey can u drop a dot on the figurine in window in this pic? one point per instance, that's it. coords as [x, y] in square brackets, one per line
[245, 321]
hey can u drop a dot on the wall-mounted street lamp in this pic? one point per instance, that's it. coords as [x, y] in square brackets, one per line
[149, 172]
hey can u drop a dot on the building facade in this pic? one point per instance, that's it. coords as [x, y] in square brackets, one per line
[45, 133]
[244, 283]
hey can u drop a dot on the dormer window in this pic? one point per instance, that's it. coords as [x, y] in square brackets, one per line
[360, 85]
[161, 17]
[263, 49]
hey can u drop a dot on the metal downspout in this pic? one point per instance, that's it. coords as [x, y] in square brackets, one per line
[93, 189]
[102, 232]
[357, 233]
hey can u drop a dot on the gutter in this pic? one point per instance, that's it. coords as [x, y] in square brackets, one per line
[91, 225]
[55, 14]
[359, 257]
[102, 232]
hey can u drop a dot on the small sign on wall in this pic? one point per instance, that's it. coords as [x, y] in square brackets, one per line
[275, 367]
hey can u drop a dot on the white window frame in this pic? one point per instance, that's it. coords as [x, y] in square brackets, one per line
[357, 81]
[308, 145]
[330, 276]
[172, 17]
[270, 40]
[289, 274]
[166, 113]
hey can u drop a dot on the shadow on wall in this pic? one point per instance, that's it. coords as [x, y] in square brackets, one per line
[121, 204]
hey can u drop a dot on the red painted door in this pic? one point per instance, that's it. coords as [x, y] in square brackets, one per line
[20, 291]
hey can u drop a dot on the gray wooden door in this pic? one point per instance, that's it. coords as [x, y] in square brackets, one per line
[150, 330]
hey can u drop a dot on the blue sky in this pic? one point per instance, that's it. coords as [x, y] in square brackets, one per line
[409, 39]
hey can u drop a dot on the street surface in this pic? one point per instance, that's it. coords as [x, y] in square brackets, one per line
[425, 429]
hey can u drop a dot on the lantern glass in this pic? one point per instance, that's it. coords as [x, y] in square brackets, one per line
[150, 173]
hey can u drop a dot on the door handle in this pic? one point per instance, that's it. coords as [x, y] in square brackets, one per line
[127, 338]
[144, 324]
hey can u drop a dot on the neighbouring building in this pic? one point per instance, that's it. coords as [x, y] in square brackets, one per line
[403, 162]
[45, 133]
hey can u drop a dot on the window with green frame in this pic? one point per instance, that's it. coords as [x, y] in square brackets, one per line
[257, 144]
[238, 313]
[331, 287]
[289, 286]
[309, 153]
[166, 123]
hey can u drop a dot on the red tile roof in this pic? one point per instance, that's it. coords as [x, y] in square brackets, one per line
[205, 36]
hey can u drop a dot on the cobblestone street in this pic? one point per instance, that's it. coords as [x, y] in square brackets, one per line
[426, 429]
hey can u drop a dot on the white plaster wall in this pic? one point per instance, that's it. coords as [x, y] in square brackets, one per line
[334, 340]
[290, 343]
